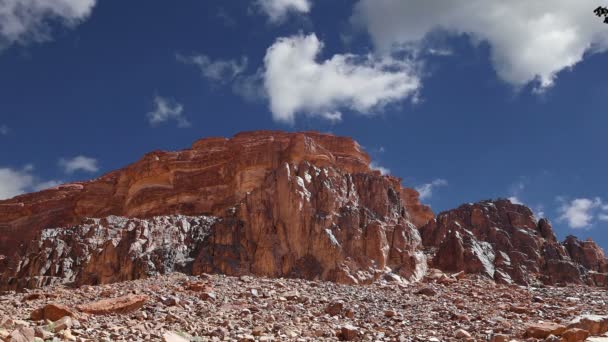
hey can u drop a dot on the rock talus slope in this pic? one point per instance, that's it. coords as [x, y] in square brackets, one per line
[265, 203]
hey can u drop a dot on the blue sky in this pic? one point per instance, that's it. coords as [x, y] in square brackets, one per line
[460, 105]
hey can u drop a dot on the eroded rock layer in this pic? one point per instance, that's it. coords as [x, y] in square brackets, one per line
[505, 242]
[283, 204]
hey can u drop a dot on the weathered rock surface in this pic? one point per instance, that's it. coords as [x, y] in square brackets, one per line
[108, 250]
[268, 203]
[505, 242]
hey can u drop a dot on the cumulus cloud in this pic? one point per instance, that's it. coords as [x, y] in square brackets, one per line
[277, 10]
[383, 170]
[79, 163]
[426, 190]
[296, 82]
[24, 21]
[166, 110]
[15, 182]
[529, 40]
[581, 212]
[223, 71]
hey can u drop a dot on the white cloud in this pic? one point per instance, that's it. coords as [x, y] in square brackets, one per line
[23, 21]
[529, 40]
[250, 87]
[515, 200]
[539, 212]
[277, 10]
[297, 83]
[580, 212]
[16, 182]
[515, 190]
[4, 129]
[383, 170]
[165, 110]
[223, 71]
[79, 163]
[426, 190]
[46, 185]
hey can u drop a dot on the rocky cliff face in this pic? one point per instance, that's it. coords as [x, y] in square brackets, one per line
[274, 204]
[108, 250]
[302, 205]
[505, 242]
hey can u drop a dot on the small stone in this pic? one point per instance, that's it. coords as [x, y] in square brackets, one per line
[258, 331]
[62, 324]
[290, 295]
[461, 333]
[350, 313]
[390, 313]
[33, 296]
[427, 291]
[349, 333]
[43, 333]
[67, 335]
[173, 337]
[208, 296]
[335, 308]
[170, 301]
[499, 338]
[6, 322]
[519, 309]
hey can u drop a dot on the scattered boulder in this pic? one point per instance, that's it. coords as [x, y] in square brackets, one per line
[594, 324]
[575, 335]
[119, 305]
[23, 334]
[544, 330]
[349, 333]
[51, 312]
[62, 324]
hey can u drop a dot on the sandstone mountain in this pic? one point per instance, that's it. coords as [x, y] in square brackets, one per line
[302, 205]
[282, 204]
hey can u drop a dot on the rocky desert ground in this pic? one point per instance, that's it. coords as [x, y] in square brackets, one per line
[178, 308]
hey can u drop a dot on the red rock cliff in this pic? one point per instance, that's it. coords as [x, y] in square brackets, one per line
[504, 241]
[301, 204]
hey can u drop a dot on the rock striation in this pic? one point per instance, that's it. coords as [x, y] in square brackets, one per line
[504, 241]
[264, 203]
